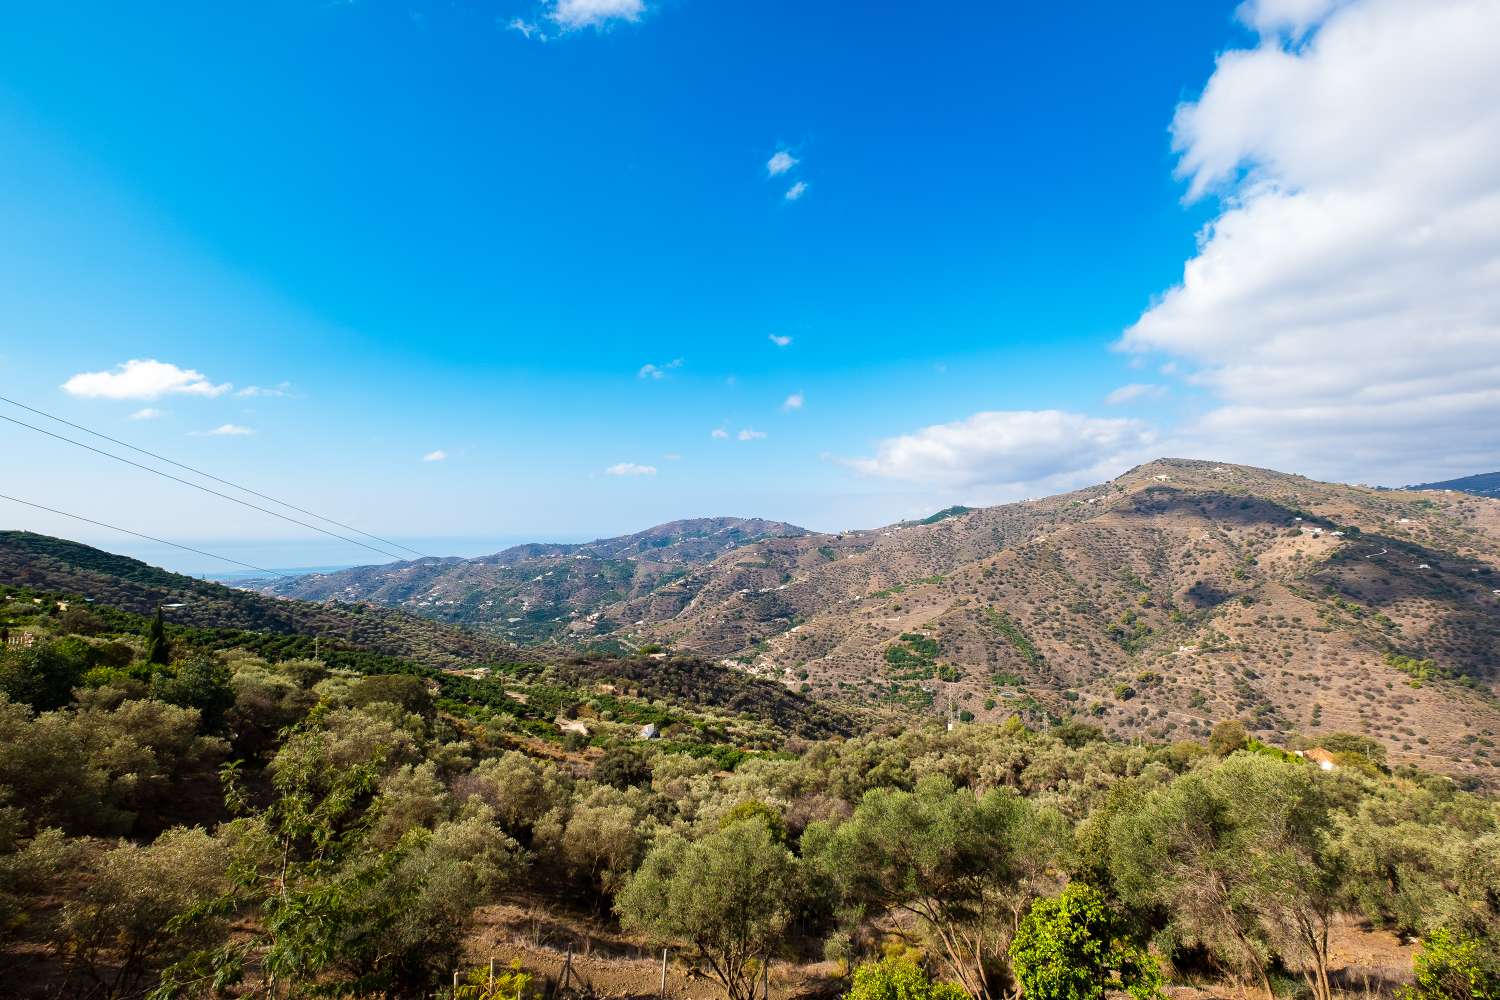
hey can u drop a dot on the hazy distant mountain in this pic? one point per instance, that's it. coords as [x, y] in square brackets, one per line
[537, 591]
[1486, 484]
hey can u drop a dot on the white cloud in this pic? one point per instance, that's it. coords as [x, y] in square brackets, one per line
[1011, 448]
[1291, 16]
[780, 163]
[260, 391]
[1134, 391]
[147, 413]
[225, 430]
[658, 371]
[146, 379]
[793, 402]
[672, 456]
[719, 434]
[570, 15]
[435, 456]
[528, 29]
[1342, 307]
[630, 469]
[750, 434]
[796, 191]
[779, 340]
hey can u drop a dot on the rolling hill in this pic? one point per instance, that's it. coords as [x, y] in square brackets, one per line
[1179, 594]
[51, 564]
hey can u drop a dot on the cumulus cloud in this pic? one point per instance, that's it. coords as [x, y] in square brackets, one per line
[225, 430]
[793, 402]
[630, 469]
[143, 379]
[1011, 448]
[1293, 17]
[147, 413]
[435, 456]
[779, 340]
[750, 434]
[796, 191]
[780, 163]
[1341, 309]
[1134, 391]
[719, 434]
[658, 371]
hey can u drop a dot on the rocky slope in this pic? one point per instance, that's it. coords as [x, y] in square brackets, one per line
[1181, 593]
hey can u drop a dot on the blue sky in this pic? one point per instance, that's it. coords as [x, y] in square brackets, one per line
[416, 230]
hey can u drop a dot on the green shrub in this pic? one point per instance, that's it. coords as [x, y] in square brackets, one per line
[1454, 967]
[899, 979]
[1075, 947]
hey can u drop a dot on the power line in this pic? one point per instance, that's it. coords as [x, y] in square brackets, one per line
[208, 475]
[137, 534]
[199, 486]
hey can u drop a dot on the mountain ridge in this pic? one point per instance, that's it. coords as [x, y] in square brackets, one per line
[1485, 484]
[1181, 592]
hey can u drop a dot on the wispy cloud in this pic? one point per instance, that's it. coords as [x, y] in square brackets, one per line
[779, 340]
[780, 163]
[567, 16]
[147, 413]
[262, 391]
[658, 371]
[143, 379]
[630, 469]
[528, 29]
[570, 15]
[435, 456]
[750, 434]
[1134, 391]
[225, 430]
[719, 434]
[793, 402]
[796, 191]
[672, 456]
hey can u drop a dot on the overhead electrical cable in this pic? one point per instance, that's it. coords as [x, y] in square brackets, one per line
[137, 534]
[199, 486]
[209, 475]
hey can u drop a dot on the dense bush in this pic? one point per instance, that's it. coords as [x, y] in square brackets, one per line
[361, 821]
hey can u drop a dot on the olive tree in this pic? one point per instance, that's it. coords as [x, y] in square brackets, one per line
[965, 866]
[729, 896]
[1239, 858]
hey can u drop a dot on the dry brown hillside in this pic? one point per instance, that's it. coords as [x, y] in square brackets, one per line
[1181, 593]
